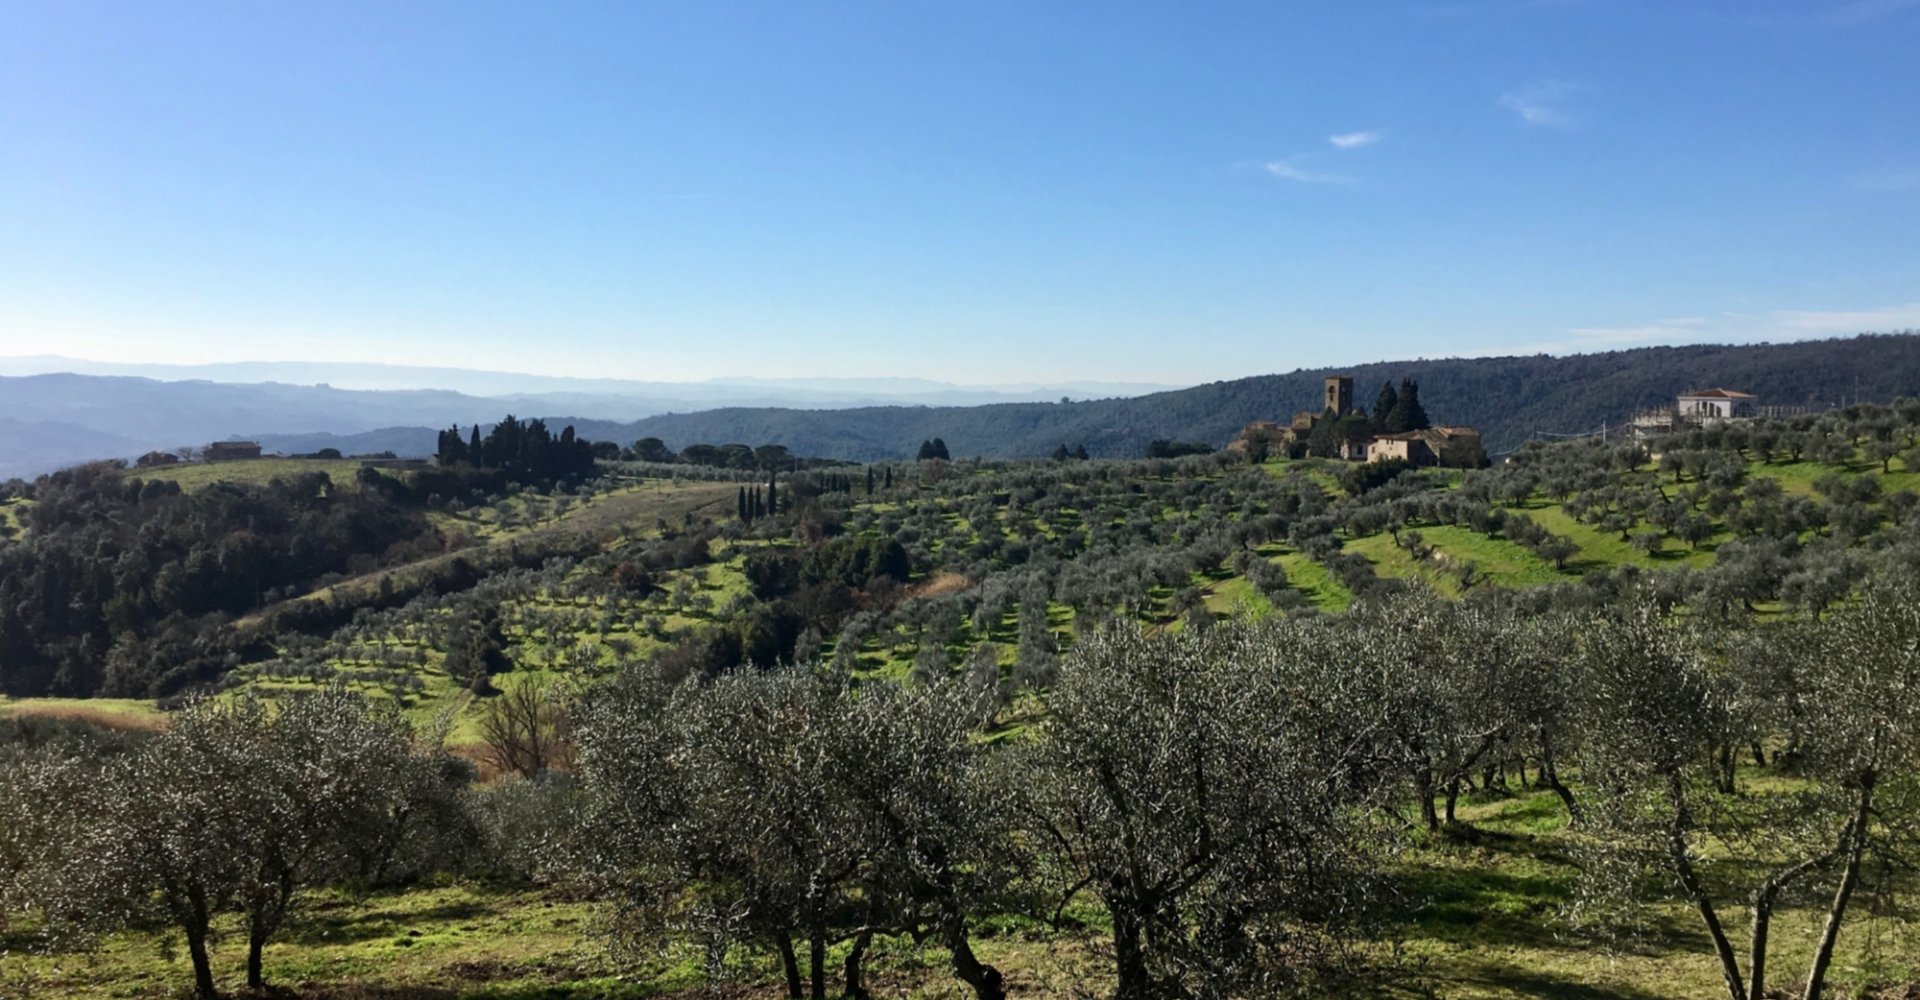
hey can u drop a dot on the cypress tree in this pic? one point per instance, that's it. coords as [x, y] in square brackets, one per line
[889, 477]
[744, 514]
[1383, 405]
[869, 480]
[1408, 414]
[773, 494]
[473, 446]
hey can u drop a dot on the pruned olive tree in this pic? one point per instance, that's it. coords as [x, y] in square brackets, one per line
[700, 820]
[1435, 676]
[44, 795]
[1541, 691]
[785, 807]
[1192, 786]
[934, 810]
[1860, 728]
[1660, 708]
[236, 807]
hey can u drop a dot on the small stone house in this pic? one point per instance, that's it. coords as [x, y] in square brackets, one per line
[1453, 447]
[231, 451]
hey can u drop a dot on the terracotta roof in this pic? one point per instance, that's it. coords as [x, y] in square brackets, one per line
[1717, 394]
[1428, 433]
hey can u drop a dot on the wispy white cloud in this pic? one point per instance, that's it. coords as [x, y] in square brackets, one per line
[1843, 321]
[1541, 103]
[1662, 331]
[1730, 328]
[1294, 168]
[1287, 170]
[1355, 140]
[1865, 11]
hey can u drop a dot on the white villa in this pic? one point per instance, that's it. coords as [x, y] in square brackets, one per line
[1717, 404]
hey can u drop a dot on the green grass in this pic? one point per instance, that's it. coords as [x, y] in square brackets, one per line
[459, 941]
[1496, 560]
[1312, 579]
[1799, 477]
[1603, 549]
[1396, 563]
[198, 475]
[1479, 917]
[1484, 918]
[114, 713]
[13, 517]
[1236, 597]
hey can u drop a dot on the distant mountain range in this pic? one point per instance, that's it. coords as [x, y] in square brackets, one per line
[632, 398]
[59, 411]
[53, 420]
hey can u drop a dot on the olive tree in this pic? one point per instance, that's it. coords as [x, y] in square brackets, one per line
[934, 810]
[704, 817]
[1186, 783]
[1661, 709]
[237, 806]
[1860, 671]
[765, 808]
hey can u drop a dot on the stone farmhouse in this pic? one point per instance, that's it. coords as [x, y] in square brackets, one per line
[1453, 447]
[231, 451]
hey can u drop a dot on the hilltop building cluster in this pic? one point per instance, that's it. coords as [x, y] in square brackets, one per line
[1701, 407]
[1397, 428]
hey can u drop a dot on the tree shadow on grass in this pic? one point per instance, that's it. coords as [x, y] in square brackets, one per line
[515, 991]
[1533, 983]
[336, 925]
[1519, 902]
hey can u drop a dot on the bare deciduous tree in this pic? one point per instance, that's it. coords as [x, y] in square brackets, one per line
[525, 728]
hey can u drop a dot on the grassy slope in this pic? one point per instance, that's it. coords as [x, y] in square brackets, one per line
[13, 516]
[1480, 920]
[199, 475]
[113, 713]
[1487, 923]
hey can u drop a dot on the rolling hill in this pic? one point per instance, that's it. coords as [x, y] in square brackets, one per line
[1508, 398]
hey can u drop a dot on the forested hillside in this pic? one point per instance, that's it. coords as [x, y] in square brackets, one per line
[1507, 398]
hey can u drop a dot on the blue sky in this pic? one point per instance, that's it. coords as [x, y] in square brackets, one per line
[982, 191]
